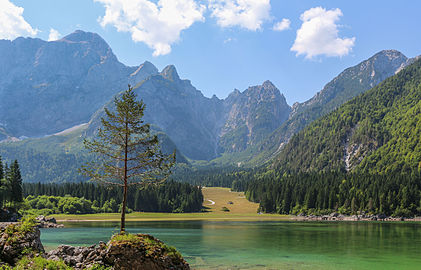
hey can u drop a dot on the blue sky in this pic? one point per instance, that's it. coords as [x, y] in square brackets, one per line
[225, 44]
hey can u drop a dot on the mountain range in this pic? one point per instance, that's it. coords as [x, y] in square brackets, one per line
[48, 87]
[377, 132]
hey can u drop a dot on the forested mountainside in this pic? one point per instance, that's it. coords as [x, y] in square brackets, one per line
[57, 158]
[376, 132]
[347, 85]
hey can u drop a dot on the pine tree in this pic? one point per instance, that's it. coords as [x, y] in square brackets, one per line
[127, 153]
[16, 192]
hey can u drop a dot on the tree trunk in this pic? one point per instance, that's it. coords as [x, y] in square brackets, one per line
[123, 211]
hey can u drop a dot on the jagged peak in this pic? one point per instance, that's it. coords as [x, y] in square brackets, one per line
[170, 73]
[268, 84]
[235, 92]
[389, 54]
[82, 36]
[146, 66]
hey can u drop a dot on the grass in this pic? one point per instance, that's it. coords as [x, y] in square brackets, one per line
[153, 246]
[240, 209]
[14, 232]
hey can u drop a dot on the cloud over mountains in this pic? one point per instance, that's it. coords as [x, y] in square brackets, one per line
[319, 34]
[12, 23]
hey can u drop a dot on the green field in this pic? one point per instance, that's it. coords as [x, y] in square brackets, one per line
[240, 209]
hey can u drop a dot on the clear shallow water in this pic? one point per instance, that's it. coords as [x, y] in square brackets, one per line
[268, 245]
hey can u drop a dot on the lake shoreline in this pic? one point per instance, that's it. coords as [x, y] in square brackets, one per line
[338, 217]
[240, 218]
[170, 217]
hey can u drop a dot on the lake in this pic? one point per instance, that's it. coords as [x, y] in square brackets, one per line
[267, 245]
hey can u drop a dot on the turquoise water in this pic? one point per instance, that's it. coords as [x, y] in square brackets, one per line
[268, 245]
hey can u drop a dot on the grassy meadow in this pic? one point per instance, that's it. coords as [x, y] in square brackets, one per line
[215, 199]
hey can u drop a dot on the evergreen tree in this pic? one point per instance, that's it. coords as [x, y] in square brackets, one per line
[16, 192]
[127, 153]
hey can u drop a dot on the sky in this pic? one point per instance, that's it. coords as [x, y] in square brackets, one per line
[222, 45]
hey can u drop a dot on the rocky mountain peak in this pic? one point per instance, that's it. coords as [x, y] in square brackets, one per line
[142, 72]
[265, 92]
[170, 73]
[82, 36]
[268, 85]
[390, 54]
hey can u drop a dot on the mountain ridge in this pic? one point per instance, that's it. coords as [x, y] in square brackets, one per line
[376, 132]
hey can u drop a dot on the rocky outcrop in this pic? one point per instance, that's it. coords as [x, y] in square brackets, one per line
[18, 239]
[122, 252]
[79, 257]
[47, 222]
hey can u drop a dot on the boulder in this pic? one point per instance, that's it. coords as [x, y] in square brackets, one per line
[47, 222]
[122, 252]
[19, 238]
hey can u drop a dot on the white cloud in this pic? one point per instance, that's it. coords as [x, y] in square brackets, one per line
[156, 24]
[248, 14]
[282, 25]
[12, 23]
[318, 34]
[54, 35]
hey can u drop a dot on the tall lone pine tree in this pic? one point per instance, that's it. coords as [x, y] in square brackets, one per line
[127, 153]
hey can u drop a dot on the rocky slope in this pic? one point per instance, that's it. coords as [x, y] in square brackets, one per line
[201, 127]
[251, 116]
[46, 87]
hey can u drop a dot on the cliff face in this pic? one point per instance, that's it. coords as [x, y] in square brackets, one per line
[46, 87]
[251, 116]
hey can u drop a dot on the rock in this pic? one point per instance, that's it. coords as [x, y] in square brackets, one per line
[9, 215]
[145, 252]
[381, 216]
[13, 244]
[47, 222]
[51, 220]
